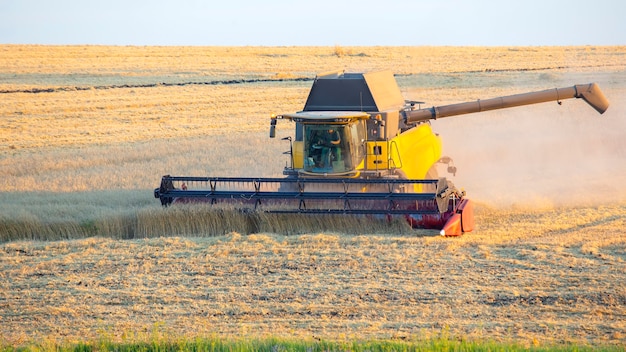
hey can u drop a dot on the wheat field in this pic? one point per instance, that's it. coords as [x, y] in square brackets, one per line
[86, 251]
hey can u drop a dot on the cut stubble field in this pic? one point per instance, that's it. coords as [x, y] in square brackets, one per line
[86, 251]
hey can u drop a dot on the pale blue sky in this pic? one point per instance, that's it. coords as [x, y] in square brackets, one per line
[320, 22]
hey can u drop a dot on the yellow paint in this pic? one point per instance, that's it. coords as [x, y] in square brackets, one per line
[298, 154]
[377, 157]
[415, 151]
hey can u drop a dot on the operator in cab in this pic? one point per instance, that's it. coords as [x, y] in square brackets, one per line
[332, 138]
[327, 142]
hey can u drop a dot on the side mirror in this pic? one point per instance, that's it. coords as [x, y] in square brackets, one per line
[273, 126]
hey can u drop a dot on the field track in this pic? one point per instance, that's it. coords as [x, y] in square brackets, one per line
[86, 132]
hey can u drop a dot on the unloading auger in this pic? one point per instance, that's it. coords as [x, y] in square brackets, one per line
[360, 148]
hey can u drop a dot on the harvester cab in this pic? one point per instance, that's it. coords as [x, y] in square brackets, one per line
[347, 126]
[327, 143]
[360, 148]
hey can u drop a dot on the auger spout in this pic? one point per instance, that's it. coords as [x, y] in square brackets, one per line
[590, 93]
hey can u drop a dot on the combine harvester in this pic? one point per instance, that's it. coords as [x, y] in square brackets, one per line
[360, 148]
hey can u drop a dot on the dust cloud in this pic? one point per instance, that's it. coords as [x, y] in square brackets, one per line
[541, 156]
